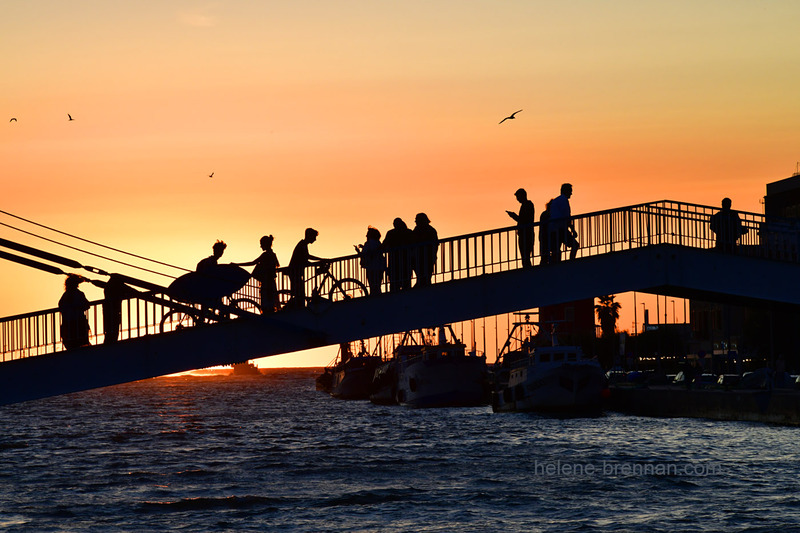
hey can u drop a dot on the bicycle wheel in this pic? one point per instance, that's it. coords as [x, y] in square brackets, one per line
[347, 289]
[246, 304]
[176, 320]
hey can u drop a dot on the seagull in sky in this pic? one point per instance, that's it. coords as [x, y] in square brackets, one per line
[13, 119]
[510, 117]
[70, 116]
[211, 175]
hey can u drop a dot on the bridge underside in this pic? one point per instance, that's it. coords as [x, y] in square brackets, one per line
[662, 269]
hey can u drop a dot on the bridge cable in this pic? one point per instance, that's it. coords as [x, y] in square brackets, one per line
[89, 253]
[90, 242]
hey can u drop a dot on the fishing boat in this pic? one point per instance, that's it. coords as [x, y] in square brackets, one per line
[432, 370]
[349, 377]
[532, 376]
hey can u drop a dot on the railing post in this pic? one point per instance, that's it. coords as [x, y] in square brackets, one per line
[483, 254]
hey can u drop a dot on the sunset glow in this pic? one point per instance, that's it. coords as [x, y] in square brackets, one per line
[340, 115]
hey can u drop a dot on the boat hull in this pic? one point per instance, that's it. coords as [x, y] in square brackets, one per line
[567, 388]
[450, 381]
[353, 379]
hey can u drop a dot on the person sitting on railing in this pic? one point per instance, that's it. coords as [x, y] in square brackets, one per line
[562, 231]
[73, 306]
[301, 258]
[427, 240]
[727, 227]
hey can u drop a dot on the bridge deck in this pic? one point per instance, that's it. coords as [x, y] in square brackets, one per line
[632, 249]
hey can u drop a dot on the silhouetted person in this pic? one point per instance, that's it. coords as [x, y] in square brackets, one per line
[562, 231]
[427, 247]
[297, 266]
[73, 306]
[545, 250]
[397, 245]
[525, 220]
[266, 272]
[206, 266]
[211, 261]
[372, 260]
[727, 227]
[114, 292]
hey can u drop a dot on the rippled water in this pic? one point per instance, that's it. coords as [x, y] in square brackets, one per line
[272, 454]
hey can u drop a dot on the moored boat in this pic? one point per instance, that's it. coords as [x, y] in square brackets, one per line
[432, 371]
[546, 378]
[350, 374]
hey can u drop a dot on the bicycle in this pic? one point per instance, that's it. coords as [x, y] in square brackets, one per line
[336, 290]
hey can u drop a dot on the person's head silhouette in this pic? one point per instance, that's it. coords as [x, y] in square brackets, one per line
[311, 235]
[219, 249]
[73, 280]
[422, 219]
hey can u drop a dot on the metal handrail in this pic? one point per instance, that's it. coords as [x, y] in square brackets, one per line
[459, 257]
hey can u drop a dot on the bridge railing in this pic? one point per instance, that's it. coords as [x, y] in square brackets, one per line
[460, 257]
[39, 333]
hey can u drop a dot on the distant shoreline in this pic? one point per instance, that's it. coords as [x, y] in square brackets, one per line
[211, 372]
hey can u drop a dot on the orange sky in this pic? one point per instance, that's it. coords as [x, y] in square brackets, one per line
[338, 115]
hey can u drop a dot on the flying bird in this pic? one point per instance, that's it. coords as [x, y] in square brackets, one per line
[211, 175]
[13, 119]
[70, 116]
[510, 117]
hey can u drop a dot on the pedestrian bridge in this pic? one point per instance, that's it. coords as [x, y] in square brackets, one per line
[663, 247]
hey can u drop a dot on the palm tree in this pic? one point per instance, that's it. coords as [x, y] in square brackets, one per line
[607, 313]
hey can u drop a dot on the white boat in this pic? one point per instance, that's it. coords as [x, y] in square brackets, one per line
[432, 371]
[549, 378]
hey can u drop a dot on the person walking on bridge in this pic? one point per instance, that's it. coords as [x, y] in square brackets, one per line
[562, 231]
[301, 258]
[727, 227]
[525, 220]
[265, 272]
